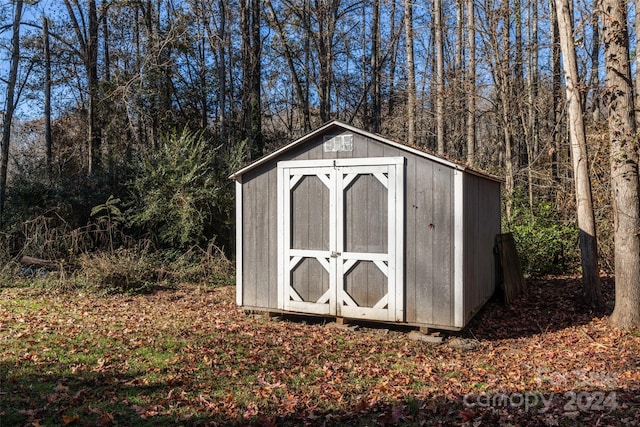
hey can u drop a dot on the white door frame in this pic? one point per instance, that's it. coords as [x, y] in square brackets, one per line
[337, 174]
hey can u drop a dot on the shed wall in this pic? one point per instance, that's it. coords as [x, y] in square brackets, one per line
[481, 225]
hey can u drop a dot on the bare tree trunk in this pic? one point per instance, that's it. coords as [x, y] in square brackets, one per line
[458, 142]
[375, 68]
[520, 134]
[326, 15]
[459, 37]
[505, 91]
[556, 88]
[637, 82]
[530, 121]
[289, 54]
[92, 67]
[307, 63]
[518, 66]
[471, 83]
[10, 105]
[624, 165]
[392, 60]
[584, 205]
[411, 76]
[439, 28]
[533, 87]
[47, 93]
[106, 43]
[222, 70]
[251, 48]
[594, 78]
[366, 72]
[89, 48]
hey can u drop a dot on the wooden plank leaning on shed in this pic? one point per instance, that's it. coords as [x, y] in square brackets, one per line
[513, 284]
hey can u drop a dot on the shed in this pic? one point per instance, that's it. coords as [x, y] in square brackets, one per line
[346, 223]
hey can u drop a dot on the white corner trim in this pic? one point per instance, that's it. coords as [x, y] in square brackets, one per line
[458, 249]
[281, 227]
[239, 243]
[400, 285]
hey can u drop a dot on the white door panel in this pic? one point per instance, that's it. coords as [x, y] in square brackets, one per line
[341, 231]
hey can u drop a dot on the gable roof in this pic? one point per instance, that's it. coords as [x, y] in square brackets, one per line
[336, 123]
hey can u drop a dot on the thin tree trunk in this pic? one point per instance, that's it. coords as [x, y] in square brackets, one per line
[47, 93]
[10, 105]
[535, 63]
[471, 83]
[530, 122]
[637, 82]
[594, 78]
[505, 91]
[624, 165]
[302, 103]
[367, 74]
[375, 68]
[518, 86]
[411, 79]
[106, 44]
[256, 77]
[556, 88]
[459, 38]
[458, 142]
[92, 72]
[89, 48]
[326, 15]
[518, 66]
[307, 63]
[222, 71]
[439, 29]
[392, 59]
[251, 48]
[584, 205]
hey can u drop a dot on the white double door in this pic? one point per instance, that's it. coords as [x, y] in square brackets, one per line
[340, 237]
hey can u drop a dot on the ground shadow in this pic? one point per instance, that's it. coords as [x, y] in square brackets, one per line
[550, 304]
[89, 398]
[56, 400]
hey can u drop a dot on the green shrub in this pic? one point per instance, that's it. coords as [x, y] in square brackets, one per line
[546, 244]
[182, 193]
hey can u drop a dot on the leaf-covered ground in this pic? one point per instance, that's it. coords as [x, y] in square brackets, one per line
[189, 356]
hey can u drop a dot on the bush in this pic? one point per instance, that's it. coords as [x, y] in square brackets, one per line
[182, 193]
[122, 271]
[197, 265]
[546, 244]
[139, 270]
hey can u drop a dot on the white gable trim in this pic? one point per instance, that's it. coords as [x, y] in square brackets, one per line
[366, 134]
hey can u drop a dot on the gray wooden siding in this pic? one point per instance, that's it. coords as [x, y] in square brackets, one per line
[366, 230]
[429, 243]
[429, 231]
[259, 240]
[310, 230]
[481, 225]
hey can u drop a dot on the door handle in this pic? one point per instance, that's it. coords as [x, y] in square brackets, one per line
[335, 254]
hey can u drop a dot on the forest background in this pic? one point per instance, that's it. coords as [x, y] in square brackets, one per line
[124, 119]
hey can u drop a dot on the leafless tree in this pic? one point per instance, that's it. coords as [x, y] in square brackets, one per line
[10, 104]
[584, 204]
